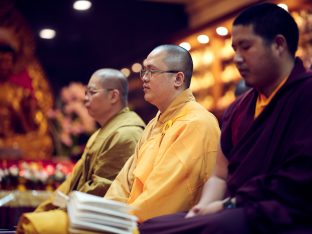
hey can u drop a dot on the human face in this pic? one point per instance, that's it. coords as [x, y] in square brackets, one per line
[254, 57]
[158, 87]
[97, 99]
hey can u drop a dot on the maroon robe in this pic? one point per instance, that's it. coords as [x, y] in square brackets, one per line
[270, 166]
[270, 157]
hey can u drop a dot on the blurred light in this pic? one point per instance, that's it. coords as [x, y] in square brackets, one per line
[283, 5]
[82, 5]
[185, 45]
[208, 58]
[47, 33]
[136, 67]
[203, 39]
[125, 71]
[222, 31]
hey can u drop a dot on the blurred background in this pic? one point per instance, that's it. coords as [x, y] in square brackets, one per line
[50, 48]
[120, 33]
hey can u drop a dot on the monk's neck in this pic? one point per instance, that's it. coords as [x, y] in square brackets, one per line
[283, 75]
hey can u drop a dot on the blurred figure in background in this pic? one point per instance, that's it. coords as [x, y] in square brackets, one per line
[70, 122]
[241, 88]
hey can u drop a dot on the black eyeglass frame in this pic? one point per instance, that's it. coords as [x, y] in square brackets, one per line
[150, 72]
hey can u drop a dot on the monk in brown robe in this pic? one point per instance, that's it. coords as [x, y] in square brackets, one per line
[106, 151]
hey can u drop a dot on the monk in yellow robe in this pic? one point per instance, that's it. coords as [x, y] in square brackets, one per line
[177, 151]
[106, 151]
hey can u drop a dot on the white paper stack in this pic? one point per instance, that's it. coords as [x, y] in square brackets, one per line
[92, 214]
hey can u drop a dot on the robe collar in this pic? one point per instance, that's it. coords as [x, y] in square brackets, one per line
[175, 106]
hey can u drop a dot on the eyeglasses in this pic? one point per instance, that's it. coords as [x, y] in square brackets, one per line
[149, 73]
[90, 92]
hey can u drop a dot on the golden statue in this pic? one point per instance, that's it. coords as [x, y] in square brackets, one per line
[25, 94]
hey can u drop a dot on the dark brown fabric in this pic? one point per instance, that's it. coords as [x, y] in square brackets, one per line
[270, 169]
[231, 221]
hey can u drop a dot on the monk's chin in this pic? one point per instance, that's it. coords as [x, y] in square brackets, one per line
[147, 97]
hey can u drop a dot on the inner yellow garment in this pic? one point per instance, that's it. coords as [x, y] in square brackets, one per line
[263, 101]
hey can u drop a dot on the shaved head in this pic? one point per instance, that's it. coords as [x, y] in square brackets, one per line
[113, 79]
[179, 59]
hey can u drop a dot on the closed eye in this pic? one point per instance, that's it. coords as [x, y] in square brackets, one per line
[245, 46]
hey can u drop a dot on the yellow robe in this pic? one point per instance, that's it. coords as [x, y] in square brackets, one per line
[105, 154]
[172, 161]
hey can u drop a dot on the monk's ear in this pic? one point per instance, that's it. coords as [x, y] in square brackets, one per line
[114, 95]
[179, 80]
[280, 44]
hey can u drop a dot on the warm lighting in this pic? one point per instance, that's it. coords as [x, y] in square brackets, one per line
[203, 39]
[47, 33]
[185, 45]
[222, 31]
[208, 58]
[125, 71]
[82, 5]
[284, 6]
[136, 67]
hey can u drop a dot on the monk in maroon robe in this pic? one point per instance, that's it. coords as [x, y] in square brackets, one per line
[263, 179]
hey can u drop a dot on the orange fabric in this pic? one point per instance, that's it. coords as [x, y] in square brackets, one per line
[172, 161]
[263, 101]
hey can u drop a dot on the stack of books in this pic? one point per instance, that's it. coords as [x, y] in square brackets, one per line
[92, 214]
